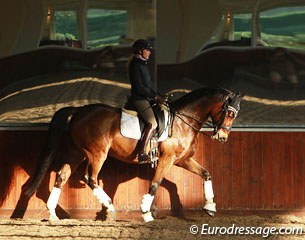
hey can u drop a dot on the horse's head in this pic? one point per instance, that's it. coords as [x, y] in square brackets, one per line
[223, 115]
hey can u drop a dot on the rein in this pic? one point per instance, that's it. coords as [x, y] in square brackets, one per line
[180, 115]
[216, 126]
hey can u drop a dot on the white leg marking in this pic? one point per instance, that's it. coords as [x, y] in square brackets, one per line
[52, 202]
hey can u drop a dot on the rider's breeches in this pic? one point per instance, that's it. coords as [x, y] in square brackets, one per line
[144, 109]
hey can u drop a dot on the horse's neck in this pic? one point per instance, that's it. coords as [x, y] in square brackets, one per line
[198, 109]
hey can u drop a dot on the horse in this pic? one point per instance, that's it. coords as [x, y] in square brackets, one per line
[92, 132]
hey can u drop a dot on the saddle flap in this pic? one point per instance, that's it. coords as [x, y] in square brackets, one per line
[130, 125]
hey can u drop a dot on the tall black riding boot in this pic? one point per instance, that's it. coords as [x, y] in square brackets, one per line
[148, 132]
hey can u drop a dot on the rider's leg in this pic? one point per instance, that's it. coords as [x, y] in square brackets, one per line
[146, 136]
[144, 109]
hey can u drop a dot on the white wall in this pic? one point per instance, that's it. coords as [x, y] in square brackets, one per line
[21, 24]
[183, 26]
[11, 15]
[32, 25]
[169, 16]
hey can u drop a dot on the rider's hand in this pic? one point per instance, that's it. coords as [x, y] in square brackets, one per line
[159, 99]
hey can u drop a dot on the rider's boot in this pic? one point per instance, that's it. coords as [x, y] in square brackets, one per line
[148, 132]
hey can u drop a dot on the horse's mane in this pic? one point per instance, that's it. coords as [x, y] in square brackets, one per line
[219, 92]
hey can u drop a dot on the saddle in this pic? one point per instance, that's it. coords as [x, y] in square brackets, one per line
[132, 126]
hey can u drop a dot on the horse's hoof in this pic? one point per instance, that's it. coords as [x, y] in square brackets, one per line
[111, 216]
[53, 218]
[210, 213]
[154, 212]
[111, 213]
[110, 208]
[147, 217]
[210, 208]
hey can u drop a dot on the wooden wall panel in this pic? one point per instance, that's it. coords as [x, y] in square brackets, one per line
[287, 170]
[298, 169]
[267, 162]
[227, 174]
[237, 176]
[253, 170]
[277, 170]
[257, 171]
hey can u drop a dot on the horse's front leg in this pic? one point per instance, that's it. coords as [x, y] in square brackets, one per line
[194, 167]
[162, 169]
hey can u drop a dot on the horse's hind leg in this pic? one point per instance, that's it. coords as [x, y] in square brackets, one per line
[62, 177]
[92, 171]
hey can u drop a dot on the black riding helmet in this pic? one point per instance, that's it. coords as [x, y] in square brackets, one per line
[141, 44]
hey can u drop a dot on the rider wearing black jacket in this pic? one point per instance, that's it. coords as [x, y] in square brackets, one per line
[142, 93]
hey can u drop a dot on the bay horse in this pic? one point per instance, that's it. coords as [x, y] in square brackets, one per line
[92, 133]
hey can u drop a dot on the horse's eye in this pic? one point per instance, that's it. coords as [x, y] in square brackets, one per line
[231, 114]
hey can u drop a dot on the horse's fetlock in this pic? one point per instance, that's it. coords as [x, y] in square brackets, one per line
[207, 176]
[153, 189]
[92, 183]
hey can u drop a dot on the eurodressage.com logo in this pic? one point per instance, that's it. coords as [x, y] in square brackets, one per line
[265, 232]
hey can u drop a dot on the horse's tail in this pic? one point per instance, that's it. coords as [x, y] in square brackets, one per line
[57, 127]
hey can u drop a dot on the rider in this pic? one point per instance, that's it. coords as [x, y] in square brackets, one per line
[142, 93]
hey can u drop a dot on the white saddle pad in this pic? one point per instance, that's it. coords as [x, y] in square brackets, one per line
[130, 126]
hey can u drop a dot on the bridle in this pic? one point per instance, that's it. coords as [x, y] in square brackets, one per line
[226, 107]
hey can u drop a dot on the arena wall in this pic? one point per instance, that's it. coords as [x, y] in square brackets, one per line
[252, 171]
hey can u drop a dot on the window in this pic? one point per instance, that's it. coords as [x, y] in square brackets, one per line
[105, 27]
[284, 27]
[65, 25]
[242, 26]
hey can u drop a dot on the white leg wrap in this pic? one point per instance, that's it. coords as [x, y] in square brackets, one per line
[103, 198]
[209, 195]
[146, 202]
[208, 190]
[53, 198]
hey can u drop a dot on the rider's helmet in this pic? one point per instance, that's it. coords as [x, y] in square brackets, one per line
[141, 44]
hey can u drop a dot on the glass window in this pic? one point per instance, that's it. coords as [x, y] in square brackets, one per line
[284, 27]
[65, 25]
[242, 26]
[105, 27]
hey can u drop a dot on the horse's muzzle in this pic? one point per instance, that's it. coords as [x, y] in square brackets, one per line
[220, 136]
